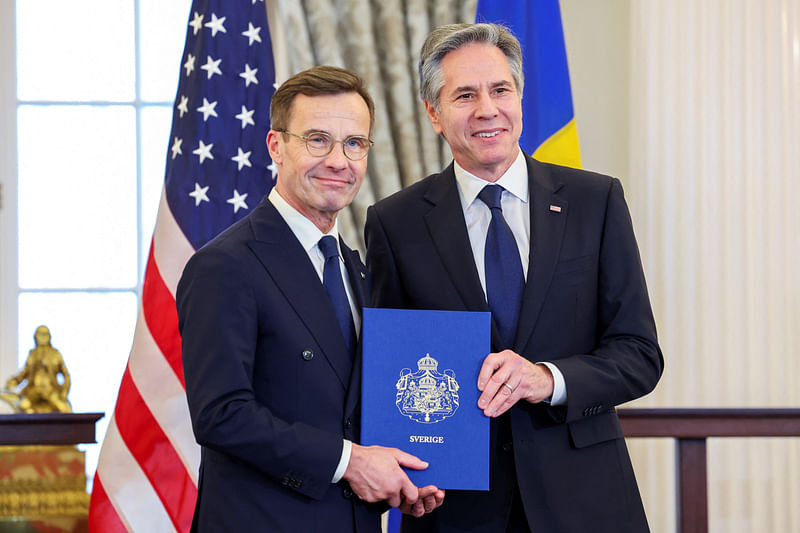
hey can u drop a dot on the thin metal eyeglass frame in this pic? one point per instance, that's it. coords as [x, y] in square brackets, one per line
[305, 138]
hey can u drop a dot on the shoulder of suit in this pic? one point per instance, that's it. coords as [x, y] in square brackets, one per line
[236, 234]
[406, 196]
[571, 177]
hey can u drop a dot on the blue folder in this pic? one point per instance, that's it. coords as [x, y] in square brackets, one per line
[419, 392]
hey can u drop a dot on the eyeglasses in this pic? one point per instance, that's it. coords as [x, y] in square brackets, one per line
[320, 144]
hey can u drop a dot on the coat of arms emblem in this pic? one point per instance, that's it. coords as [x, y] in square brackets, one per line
[427, 396]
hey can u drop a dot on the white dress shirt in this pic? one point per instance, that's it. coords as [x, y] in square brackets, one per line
[309, 235]
[516, 211]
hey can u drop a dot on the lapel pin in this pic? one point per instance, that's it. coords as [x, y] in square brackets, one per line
[555, 208]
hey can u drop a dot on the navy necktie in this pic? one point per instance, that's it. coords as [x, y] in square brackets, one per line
[332, 281]
[505, 281]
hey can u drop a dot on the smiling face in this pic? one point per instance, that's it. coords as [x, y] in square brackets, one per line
[480, 112]
[318, 187]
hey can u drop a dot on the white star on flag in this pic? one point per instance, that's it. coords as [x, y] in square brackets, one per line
[216, 25]
[189, 65]
[197, 22]
[237, 201]
[252, 33]
[212, 66]
[204, 151]
[242, 158]
[246, 116]
[183, 107]
[272, 168]
[249, 75]
[207, 109]
[176, 147]
[199, 194]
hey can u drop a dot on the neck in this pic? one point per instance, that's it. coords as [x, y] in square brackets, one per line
[324, 220]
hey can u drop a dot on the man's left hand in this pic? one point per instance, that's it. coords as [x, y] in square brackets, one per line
[430, 498]
[507, 377]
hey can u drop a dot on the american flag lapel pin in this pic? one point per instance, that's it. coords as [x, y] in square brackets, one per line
[555, 208]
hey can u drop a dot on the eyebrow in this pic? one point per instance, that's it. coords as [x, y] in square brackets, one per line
[493, 85]
[308, 132]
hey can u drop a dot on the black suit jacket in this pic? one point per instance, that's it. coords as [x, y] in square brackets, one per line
[272, 389]
[585, 309]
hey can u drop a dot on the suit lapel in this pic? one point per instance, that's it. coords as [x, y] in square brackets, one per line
[358, 274]
[547, 232]
[360, 285]
[448, 231]
[287, 263]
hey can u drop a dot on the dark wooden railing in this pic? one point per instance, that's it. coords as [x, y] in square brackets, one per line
[691, 428]
[48, 428]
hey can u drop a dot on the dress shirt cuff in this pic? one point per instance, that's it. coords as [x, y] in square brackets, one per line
[343, 461]
[559, 396]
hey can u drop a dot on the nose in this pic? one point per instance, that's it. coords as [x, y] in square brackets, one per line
[485, 106]
[336, 158]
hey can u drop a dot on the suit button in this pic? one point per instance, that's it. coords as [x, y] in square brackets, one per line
[308, 355]
[348, 424]
[508, 446]
[347, 492]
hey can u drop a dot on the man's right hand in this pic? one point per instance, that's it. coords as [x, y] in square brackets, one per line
[375, 474]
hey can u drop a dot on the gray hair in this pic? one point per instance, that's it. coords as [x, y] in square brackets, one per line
[450, 37]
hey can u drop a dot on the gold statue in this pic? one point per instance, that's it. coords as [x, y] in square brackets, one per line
[44, 392]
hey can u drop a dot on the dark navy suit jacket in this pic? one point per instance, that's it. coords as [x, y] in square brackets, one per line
[585, 308]
[272, 389]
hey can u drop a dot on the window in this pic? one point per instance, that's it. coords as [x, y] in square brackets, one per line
[95, 85]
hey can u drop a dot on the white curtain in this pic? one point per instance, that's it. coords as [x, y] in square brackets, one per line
[714, 190]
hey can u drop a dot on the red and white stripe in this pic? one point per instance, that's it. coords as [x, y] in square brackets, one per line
[146, 478]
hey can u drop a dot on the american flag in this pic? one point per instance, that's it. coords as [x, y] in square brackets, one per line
[218, 169]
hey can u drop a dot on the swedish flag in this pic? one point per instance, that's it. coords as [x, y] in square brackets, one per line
[549, 131]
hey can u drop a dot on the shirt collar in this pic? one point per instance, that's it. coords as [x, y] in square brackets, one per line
[306, 232]
[515, 181]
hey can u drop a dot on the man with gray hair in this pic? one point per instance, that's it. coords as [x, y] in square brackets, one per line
[551, 252]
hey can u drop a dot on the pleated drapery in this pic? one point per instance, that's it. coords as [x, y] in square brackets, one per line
[379, 39]
[714, 186]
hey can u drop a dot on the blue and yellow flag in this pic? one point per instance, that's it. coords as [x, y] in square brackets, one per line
[549, 132]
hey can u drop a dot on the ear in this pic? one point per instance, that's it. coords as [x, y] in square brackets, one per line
[273, 145]
[434, 116]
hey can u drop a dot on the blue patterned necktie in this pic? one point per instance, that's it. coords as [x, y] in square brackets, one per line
[332, 281]
[505, 281]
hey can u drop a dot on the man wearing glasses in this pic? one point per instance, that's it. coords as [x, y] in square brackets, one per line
[269, 313]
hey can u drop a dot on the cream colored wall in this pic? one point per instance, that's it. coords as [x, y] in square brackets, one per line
[597, 39]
